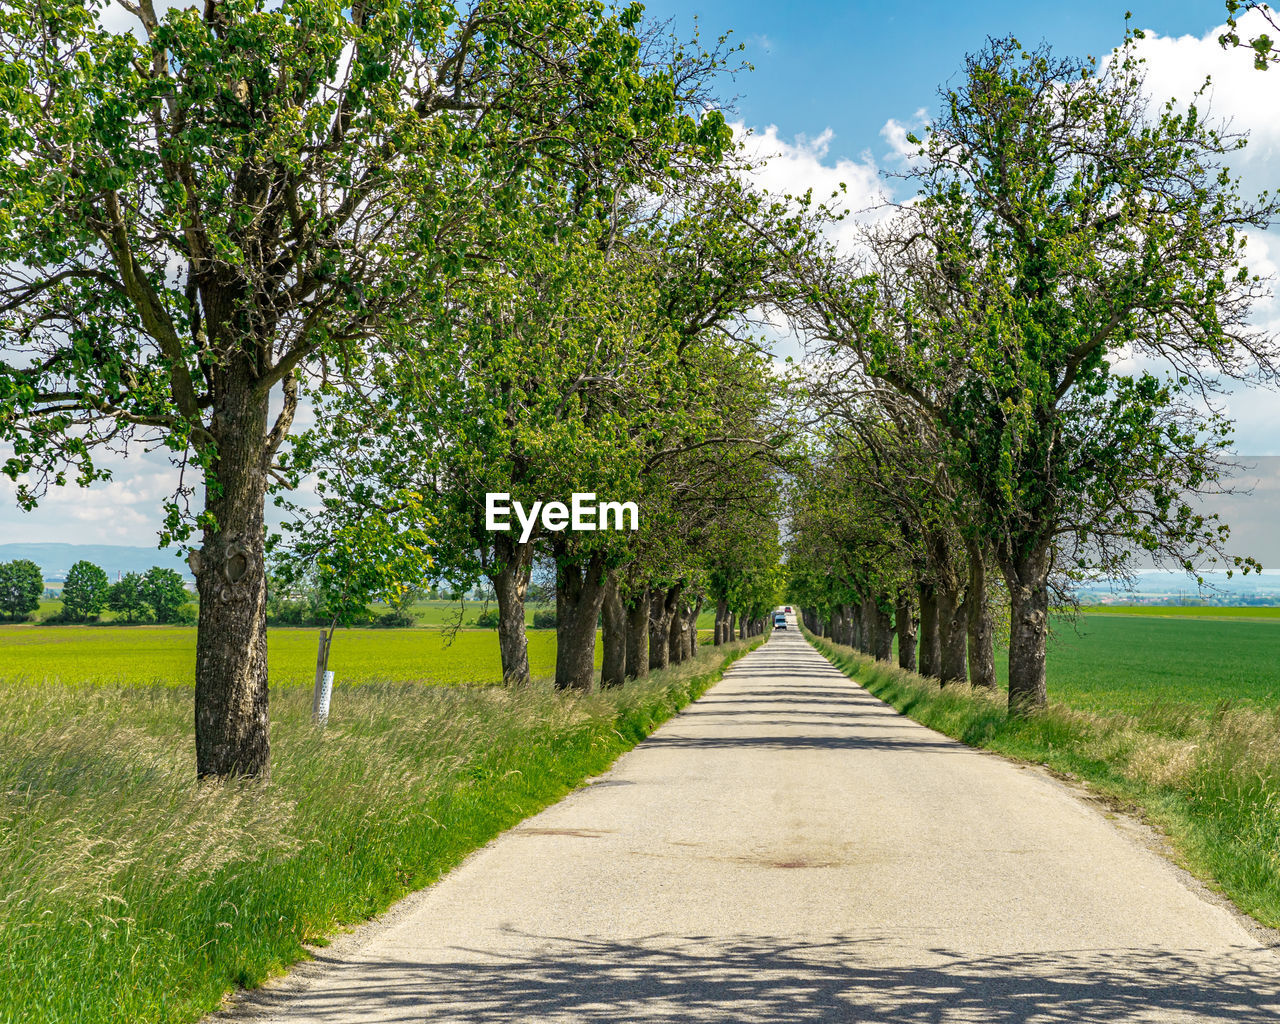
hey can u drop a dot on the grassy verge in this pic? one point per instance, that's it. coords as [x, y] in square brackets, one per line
[127, 893]
[1210, 779]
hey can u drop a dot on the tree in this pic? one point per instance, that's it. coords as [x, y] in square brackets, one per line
[548, 372]
[84, 594]
[222, 207]
[21, 586]
[126, 596]
[164, 592]
[1063, 223]
[1263, 45]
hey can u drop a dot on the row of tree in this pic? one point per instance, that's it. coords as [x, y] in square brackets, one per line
[498, 246]
[158, 595]
[1016, 374]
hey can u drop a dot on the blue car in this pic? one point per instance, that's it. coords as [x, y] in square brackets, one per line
[779, 620]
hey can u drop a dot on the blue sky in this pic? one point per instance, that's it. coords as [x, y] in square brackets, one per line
[850, 66]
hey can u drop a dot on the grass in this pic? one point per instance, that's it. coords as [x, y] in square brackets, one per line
[1117, 662]
[1208, 777]
[435, 613]
[445, 613]
[166, 655]
[1187, 611]
[130, 894]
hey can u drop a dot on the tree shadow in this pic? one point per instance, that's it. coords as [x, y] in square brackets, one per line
[767, 980]
[806, 741]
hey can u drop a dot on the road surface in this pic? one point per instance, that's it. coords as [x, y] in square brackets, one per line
[789, 849]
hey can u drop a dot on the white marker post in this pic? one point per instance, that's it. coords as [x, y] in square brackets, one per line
[322, 700]
[324, 681]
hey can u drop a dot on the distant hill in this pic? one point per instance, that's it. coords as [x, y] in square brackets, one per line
[1177, 588]
[115, 559]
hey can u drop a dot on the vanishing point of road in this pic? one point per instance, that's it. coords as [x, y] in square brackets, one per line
[789, 849]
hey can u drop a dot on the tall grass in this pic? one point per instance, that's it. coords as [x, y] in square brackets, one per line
[129, 893]
[1208, 778]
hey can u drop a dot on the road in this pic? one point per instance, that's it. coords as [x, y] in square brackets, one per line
[789, 849]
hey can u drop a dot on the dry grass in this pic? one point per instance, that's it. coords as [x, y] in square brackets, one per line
[130, 893]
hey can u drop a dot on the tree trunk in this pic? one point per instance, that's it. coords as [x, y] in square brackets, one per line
[662, 606]
[867, 615]
[510, 578]
[982, 652]
[1028, 580]
[742, 627]
[691, 629]
[638, 636]
[579, 595]
[675, 636]
[231, 640]
[953, 631]
[733, 626]
[613, 670]
[882, 647]
[722, 614]
[930, 641]
[904, 621]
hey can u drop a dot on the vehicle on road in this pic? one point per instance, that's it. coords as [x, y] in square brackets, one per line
[779, 620]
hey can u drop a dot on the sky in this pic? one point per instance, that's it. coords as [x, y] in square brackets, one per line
[834, 89]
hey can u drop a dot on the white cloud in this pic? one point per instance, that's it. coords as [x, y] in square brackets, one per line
[793, 168]
[895, 134]
[1176, 68]
[126, 509]
[1246, 100]
[115, 18]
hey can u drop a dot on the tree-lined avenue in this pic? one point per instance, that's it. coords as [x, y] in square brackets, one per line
[791, 849]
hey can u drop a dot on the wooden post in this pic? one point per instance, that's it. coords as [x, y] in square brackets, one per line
[318, 696]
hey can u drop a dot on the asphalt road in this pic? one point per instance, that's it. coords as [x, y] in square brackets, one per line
[789, 849]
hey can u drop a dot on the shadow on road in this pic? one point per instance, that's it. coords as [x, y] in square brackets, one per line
[759, 980]
[806, 741]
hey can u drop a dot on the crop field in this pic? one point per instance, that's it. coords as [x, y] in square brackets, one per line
[1206, 611]
[166, 655]
[1125, 662]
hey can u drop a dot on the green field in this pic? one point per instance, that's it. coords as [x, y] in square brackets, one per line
[1203, 611]
[166, 655]
[1122, 662]
[1128, 658]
